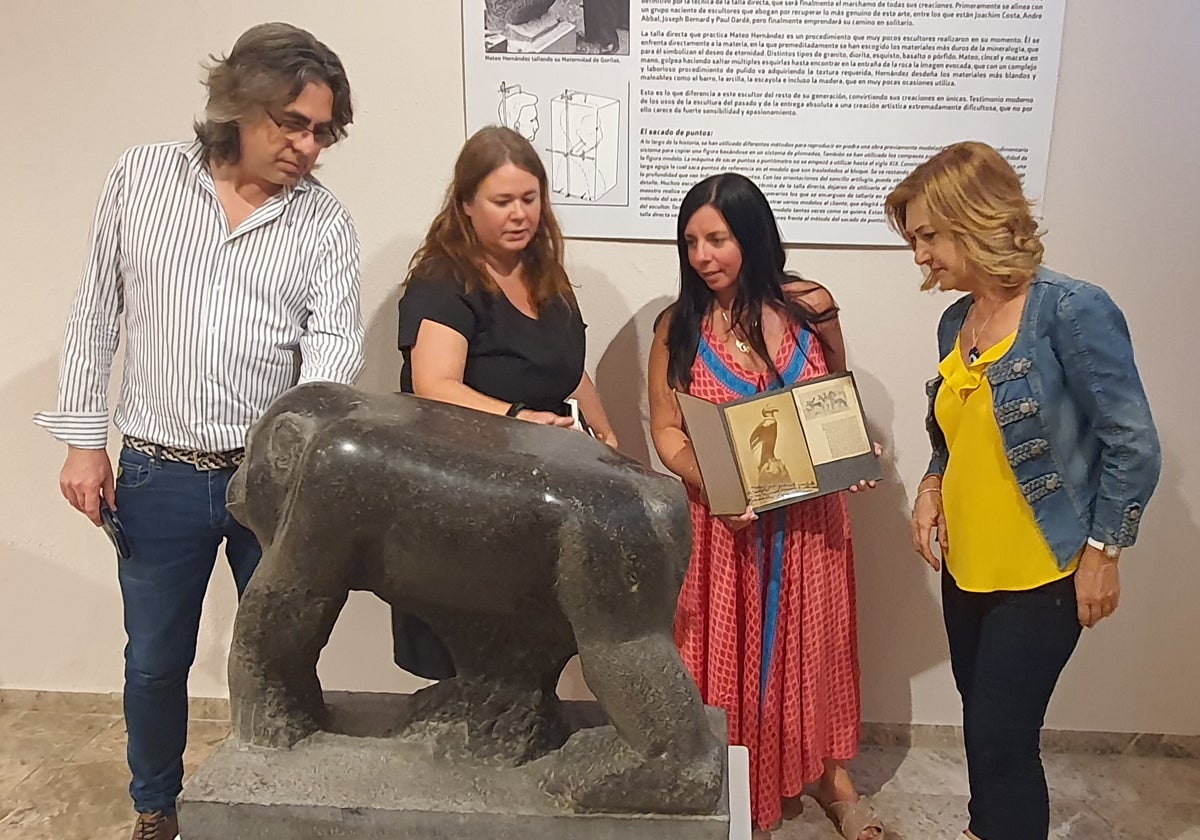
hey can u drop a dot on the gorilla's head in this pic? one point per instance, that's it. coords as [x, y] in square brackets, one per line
[258, 491]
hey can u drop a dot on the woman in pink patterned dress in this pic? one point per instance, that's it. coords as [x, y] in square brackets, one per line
[766, 617]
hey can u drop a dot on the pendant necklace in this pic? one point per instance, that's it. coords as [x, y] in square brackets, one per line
[973, 354]
[744, 346]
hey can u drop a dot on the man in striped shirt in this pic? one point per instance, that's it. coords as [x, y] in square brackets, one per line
[238, 276]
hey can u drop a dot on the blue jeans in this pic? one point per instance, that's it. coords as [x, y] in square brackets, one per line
[1007, 650]
[175, 519]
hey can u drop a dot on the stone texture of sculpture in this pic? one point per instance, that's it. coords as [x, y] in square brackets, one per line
[519, 546]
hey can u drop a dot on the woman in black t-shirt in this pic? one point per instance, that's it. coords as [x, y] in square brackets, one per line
[488, 319]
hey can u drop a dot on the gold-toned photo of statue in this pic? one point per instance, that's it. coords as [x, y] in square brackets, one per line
[772, 454]
[762, 440]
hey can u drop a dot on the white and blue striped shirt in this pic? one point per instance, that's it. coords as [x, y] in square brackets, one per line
[218, 324]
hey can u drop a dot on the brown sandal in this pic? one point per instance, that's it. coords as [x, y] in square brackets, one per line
[853, 818]
[793, 806]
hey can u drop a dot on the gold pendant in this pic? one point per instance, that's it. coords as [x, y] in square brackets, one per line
[744, 346]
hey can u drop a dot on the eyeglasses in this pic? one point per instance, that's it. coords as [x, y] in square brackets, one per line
[295, 127]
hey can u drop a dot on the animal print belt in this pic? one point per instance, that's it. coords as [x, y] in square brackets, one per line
[200, 460]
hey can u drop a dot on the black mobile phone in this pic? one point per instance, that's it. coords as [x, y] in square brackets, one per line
[116, 532]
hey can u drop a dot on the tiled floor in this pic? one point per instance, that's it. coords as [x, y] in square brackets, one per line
[922, 793]
[63, 776]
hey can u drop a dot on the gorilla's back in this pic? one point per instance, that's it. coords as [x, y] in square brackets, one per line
[463, 494]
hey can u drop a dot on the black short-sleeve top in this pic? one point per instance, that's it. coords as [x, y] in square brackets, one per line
[510, 356]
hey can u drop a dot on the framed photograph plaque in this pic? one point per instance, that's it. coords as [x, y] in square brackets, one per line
[779, 447]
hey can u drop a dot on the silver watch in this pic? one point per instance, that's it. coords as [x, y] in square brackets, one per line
[1112, 552]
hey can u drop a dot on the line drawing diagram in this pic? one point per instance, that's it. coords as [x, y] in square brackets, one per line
[585, 132]
[518, 111]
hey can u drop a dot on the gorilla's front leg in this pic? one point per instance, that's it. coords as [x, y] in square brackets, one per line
[619, 589]
[283, 622]
[663, 756]
[649, 696]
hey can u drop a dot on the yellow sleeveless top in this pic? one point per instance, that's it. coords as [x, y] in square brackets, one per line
[995, 542]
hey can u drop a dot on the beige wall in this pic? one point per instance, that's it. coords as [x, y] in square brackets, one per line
[1120, 206]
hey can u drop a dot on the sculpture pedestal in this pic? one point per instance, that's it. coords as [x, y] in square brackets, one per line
[357, 784]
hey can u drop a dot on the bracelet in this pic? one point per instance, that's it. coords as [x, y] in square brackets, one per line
[515, 409]
[929, 490]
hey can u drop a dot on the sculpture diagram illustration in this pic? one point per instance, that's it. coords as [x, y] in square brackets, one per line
[518, 111]
[584, 144]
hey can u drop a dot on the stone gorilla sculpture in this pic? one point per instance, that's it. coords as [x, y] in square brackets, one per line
[518, 545]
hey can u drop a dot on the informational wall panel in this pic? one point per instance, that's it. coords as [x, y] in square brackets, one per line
[826, 104]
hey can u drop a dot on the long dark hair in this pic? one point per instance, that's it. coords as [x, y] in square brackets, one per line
[753, 225]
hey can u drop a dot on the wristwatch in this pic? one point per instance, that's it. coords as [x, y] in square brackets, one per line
[515, 409]
[1112, 552]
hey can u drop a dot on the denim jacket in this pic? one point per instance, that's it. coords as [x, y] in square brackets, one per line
[1072, 413]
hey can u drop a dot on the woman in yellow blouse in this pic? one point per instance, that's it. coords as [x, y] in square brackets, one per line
[1044, 457]
[997, 544]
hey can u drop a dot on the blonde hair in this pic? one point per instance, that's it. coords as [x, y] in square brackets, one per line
[452, 236]
[973, 194]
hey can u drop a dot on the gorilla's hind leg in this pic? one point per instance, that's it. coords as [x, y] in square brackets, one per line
[501, 707]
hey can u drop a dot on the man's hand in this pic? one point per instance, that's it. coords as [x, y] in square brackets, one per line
[87, 476]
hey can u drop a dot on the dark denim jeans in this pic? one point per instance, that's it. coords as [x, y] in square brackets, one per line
[174, 516]
[1007, 650]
